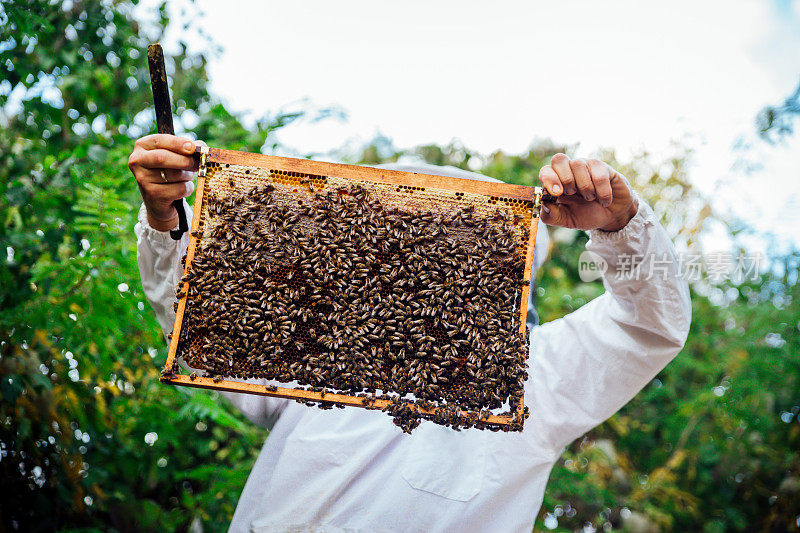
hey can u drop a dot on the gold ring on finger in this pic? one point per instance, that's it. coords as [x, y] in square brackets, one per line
[163, 176]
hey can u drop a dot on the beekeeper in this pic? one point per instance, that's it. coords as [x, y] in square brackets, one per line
[352, 470]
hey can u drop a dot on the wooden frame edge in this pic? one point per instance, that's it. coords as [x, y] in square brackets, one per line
[367, 173]
[176, 329]
[200, 382]
[502, 190]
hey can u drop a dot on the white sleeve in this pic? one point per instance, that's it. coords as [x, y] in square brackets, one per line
[160, 269]
[590, 363]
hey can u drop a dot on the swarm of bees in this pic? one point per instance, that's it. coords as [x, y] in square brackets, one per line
[341, 293]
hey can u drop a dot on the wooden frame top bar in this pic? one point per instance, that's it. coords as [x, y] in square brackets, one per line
[376, 175]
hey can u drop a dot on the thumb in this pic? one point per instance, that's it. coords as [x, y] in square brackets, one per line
[554, 214]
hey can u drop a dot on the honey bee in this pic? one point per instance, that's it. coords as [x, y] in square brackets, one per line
[347, 293]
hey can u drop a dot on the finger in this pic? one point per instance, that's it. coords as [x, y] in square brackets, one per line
[550, 180]
[163, 159]
[555, 214]
[601, 178]
[166, 193]
[583, 180]
[179, 145]
[619, 184]
[575, 199]
[153, 175]
[560, 164]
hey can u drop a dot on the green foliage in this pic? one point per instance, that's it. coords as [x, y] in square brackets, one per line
[713, 443]
[89, 439]
[775, 122]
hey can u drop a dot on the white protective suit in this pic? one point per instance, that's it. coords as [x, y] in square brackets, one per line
[352, 470]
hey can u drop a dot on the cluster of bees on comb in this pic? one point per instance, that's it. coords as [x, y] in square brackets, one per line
[339, 292]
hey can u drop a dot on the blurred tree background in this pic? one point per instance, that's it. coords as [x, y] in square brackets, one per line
[89, 439]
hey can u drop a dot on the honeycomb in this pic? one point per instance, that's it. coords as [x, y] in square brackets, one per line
[403, 296]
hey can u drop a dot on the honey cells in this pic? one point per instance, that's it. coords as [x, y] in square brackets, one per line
[339, 291]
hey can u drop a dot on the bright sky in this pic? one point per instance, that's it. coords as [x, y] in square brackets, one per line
[497, 75]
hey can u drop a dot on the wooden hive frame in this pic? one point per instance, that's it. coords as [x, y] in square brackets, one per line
[528, 197]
